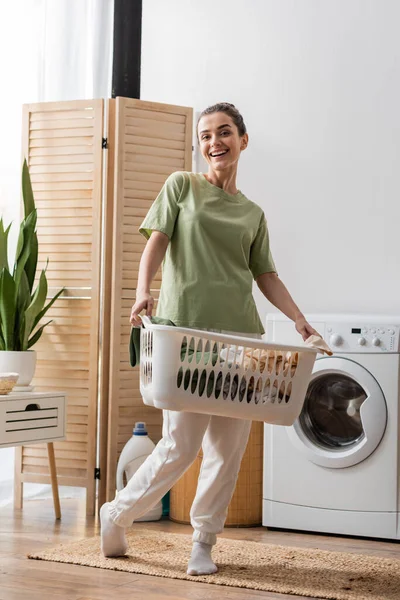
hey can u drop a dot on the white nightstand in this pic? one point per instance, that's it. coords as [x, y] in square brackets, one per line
[32, 418]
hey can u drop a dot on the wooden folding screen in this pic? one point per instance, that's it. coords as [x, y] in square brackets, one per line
[152, 141]
[62, 143]
[93, 246]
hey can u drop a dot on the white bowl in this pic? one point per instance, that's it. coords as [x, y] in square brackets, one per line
[7, 382]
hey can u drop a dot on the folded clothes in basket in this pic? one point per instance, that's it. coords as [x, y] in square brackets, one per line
[257, 359]
[275, 362]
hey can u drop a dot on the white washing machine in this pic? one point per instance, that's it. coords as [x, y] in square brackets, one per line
[336, 470]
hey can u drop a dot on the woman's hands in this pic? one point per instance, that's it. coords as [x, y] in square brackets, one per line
[304, 328]
[144, 300]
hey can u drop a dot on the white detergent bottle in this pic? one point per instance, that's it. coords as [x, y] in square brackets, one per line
[133, 454]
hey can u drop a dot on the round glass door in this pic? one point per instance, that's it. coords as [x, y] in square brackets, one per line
[331, 411]
[344, 414]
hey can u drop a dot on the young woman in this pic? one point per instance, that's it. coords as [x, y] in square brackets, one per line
[214, 242]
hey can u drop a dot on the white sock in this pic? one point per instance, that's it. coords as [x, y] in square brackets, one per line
[200, 562]
[113, 542]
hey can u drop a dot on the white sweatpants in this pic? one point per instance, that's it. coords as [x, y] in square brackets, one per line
[223, 440]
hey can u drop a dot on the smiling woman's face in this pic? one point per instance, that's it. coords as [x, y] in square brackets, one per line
[219, 140]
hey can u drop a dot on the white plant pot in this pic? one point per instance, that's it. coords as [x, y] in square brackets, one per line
[23, 363]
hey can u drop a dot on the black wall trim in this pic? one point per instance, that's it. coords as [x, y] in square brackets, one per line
[127, 48]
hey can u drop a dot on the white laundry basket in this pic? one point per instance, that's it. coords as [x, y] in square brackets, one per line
[205, 372]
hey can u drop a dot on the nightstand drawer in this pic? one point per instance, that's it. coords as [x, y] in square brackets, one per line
[31, 420]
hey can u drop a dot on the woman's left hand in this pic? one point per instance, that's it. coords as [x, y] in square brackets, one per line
[304, 328]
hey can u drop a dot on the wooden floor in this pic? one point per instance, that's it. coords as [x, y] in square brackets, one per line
[34, 528]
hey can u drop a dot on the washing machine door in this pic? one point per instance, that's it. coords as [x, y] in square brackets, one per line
[344, 414]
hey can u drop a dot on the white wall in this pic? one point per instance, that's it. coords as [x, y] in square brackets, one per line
[318, 83]
[58, 51]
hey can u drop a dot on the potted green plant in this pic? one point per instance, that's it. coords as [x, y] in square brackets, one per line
[22, 304]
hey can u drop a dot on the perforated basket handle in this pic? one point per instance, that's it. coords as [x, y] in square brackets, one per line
[145, 320]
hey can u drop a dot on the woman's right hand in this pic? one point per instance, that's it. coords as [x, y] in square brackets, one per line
[144, 300]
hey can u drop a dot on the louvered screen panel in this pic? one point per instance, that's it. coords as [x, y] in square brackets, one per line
[63, 145]
[152, 141]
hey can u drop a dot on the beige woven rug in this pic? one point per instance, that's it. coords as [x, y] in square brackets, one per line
[305, 572]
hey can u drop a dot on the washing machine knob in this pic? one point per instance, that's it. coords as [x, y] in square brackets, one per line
[361, 341]
[376, 342]
[336, 339]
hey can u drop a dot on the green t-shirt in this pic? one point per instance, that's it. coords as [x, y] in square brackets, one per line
[218, 243]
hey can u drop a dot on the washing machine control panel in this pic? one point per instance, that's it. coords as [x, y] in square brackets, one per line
[359, 337]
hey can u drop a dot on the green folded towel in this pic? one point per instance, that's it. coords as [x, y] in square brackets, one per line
[134, 341]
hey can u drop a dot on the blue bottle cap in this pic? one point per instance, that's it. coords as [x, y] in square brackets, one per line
[140, 428]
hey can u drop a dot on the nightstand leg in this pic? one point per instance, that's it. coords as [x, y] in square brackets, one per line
[18, 484]
[54, 483]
